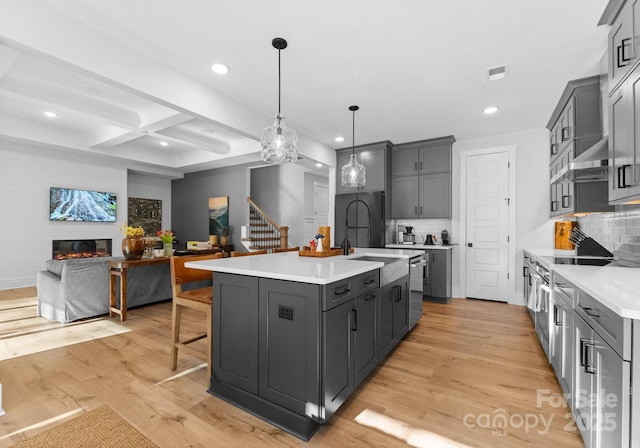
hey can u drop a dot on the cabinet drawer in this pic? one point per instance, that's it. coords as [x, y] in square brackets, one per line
[338, 292]
[614, 329]
[367, 281]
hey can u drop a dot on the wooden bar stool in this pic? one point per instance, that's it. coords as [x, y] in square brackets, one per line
[199, 299]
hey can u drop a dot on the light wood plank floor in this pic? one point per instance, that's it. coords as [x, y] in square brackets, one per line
[470, 371]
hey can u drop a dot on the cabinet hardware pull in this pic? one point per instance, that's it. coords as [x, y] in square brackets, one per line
[397, 293]
[566, 201]
[369, 281]
[370, 297]
[565, 137]
[554, 206]
[583, 352]
[415, 212]
[556, 308]
[589, 359]
[421, 166]
[590, 312]
[343, 292]
[354, 326]
[622, 59]
[421, 209]
[622, 176]
[525, 271]
[554, 149]
[415, 166]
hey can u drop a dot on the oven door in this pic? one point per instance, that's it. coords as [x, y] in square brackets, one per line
[542, 316]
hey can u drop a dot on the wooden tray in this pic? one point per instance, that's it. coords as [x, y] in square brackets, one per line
[307, 252]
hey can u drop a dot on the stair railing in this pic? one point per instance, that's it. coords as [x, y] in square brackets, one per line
[263, 231]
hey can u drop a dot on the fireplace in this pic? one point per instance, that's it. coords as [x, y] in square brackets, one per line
[66, 249]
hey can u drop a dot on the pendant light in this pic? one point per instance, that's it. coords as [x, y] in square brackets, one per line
[353, 174]
[279, 143]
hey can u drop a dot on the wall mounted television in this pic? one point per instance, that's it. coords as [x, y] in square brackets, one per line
[68, 204]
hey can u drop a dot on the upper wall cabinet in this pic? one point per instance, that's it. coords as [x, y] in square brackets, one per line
[376, 158]
[421, 179]
[624, 38]
[624, 100]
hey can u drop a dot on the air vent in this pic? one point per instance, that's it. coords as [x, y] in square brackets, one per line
[497, 73]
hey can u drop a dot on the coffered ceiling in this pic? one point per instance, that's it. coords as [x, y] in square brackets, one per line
[124, 76]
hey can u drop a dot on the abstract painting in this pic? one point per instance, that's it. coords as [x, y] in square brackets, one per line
[218, 215]
[146, 213]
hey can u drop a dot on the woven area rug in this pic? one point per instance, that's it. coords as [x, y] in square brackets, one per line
[100, 427]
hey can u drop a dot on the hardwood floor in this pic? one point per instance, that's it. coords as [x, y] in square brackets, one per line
[471, 372]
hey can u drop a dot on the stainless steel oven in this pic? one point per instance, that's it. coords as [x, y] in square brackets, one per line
[538, 300]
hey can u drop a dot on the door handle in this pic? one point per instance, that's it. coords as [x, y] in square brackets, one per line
[565, 133]
[554, 206]
[354, 325]
[397, 293]
[622, 176]
[556, 308]
[622, 59]
[554, 149]
[469, 244]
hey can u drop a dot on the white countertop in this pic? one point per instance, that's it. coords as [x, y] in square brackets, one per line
[618, 288]
[419, 246]
[291, 266]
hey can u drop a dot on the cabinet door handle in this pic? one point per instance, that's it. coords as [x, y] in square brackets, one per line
[590, 312]
[525, 271]
[622, 176]
[622, 59]
[415, 166]
[554, 149]
[554, 206]
[370, 297]
[420, 165]
[415, 211]
[341, 293]
[354, 324]
[565, 133]
[397, 293]
[421, 209]
[589, 368]
[369, 281]
[566, 201]
[556, 308]
[583, 352]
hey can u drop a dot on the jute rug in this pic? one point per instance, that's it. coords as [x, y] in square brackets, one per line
[99, 428]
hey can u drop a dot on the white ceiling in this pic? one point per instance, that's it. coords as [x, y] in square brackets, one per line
[124, 75]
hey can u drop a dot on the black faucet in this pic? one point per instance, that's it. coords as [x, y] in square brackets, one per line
[346, 224]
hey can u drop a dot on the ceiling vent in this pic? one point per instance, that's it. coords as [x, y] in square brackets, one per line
[497, 73]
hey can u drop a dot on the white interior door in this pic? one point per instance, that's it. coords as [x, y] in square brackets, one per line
[320, 205]
[487, 226]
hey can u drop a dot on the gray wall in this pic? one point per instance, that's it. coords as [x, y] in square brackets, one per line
[190, 202]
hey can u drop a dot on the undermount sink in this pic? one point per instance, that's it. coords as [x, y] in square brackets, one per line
[385, 260]
[393, 269]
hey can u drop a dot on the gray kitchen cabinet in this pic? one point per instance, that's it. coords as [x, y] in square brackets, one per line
[421, 179]
[393, 315]
[623, 39]
[437, 281]
[422, 157]
[376, 158]
[289, 346]
[364, 333]
[234, 355]
[561, 333]
[624, 148]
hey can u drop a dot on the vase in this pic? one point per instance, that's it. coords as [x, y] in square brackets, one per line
[167, 249]
[319, 245]
[133, 247]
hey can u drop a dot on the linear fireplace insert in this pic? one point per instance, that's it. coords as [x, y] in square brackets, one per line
[65, 249]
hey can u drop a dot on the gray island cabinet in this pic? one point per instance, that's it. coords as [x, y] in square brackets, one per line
[291, 349]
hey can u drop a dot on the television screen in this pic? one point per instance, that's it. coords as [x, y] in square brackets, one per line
[68, 204]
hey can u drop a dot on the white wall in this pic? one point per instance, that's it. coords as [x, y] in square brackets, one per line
[533, 227]
[24, 205]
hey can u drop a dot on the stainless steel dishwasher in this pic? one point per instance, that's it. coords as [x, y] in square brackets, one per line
[417, 266]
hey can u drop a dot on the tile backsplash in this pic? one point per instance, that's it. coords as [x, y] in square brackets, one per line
[422, 227]
[619, 232]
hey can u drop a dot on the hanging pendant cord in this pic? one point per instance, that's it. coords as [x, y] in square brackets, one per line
[279, 82]
[353, 133]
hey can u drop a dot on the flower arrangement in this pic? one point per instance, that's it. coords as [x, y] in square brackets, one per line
[166, 236]
[129, 231]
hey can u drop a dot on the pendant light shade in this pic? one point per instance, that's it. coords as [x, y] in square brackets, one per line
[353, 174]
[279, 142]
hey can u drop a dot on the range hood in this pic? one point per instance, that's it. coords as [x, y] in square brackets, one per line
[590, 166]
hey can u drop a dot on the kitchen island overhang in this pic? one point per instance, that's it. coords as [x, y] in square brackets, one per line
[294, 336]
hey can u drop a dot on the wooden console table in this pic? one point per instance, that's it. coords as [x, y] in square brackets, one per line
[119, 268]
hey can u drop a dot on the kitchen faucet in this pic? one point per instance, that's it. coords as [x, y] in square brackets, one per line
[346, 225]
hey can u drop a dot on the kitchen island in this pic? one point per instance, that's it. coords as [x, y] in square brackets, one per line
[294, 336]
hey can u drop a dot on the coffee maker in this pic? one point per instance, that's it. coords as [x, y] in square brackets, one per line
[409, 237]
[444, 236]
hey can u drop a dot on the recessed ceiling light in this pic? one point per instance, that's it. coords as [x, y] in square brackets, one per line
[339, 139]
[220, 69]
[164, 144]
[491, 110]
[51, 114]
[319, 165]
